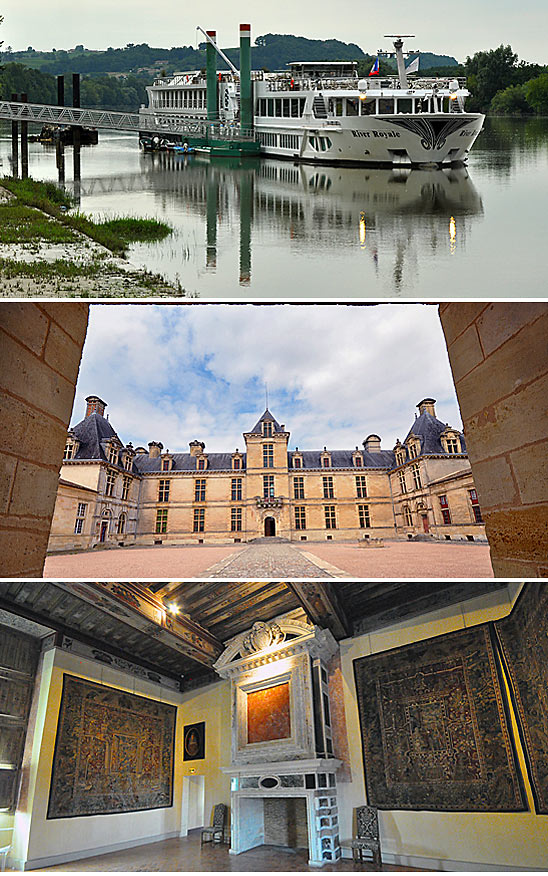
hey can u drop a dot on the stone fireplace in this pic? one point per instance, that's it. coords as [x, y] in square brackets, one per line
[283, 772]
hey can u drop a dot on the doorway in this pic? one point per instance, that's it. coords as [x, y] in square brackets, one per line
[104, 530]
[269, 527]
[193, 808]
[425, 524]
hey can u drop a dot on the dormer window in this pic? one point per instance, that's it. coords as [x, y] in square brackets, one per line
[167, 462]
[236, 462]
[413, 448]
[326, 460]
[128, 462]
[450, 441]
[71, 447]
[267, 429]
[358, 460]
[297, 462]
[112, 454]
[400, 457]
[201, 463]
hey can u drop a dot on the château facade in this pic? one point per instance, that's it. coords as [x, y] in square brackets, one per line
[111, 493]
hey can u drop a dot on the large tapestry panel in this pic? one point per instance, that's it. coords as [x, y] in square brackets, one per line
[434, 729]
[523, 637]
[114, 752]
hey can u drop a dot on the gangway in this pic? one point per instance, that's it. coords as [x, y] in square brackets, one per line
[41, 113]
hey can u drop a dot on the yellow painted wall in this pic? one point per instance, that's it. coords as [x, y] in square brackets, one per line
[514, 839]
[38, 838]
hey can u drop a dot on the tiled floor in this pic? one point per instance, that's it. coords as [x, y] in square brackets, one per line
[178, 855]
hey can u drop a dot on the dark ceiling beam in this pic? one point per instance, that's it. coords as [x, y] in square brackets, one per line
[323, 607]
[138, 607]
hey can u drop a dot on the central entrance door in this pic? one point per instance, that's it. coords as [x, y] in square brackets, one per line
[104, 530]
[269, 527]
[425, 524]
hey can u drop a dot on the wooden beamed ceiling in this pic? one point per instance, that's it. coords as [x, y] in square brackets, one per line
[179, 628]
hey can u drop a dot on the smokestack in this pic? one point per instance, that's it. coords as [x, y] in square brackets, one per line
[95, 405]
[246, 115]
[211, 71]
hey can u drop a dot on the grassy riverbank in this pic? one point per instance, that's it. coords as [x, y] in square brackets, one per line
[20, 221]
[48, 248]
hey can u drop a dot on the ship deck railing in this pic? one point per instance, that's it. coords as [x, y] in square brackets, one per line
[285, 83]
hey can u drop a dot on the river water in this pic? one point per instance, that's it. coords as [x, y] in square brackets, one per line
[266, 228]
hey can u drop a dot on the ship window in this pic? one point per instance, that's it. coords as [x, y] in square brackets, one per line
[338, 106]
[294, 107]
[278, 107]
[302, 102]
[351, 106]
[270, 106]
[386, 105]
[286, 105]
[405, 105]
[368, 107]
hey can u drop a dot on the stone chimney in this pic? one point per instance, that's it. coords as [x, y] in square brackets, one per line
[154, 449]
[95, 405]
[426, 406]
[372, 444]
[196, 447]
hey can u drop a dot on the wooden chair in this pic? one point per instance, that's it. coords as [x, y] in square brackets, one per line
[367, 835]
[215, 833]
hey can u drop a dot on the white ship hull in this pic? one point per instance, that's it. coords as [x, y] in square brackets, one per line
[394, 140]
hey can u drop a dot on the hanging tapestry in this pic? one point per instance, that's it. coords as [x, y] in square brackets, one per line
[114, 752]
[523, 637]
[434, 729]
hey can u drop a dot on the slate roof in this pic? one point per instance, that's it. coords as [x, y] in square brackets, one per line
[267, 416]
[343, 459]
[186, 462]
[92, 432]
[428, 429]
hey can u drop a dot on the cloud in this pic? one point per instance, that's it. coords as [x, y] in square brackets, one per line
[335, 373]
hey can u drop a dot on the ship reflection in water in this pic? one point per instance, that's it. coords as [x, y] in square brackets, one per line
[276, 229]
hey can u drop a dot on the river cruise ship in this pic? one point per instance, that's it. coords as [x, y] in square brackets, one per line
[322, 112]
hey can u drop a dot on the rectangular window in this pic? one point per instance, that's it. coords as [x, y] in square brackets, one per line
[364, 517]
[300, 517]
[452, 445]
[268, 456]
[199, 490]
[403, 484]
[163, 491]
[361, 487]
[298, 487]
[113, 455]
[326, 462]
[358, 461]
[267, 429]
[445, 512]
[236, 463]
[236, 489]
[412, 450]
[199, 520]
[297, 462]
[69, 451]
[126, 484]
[80, 516]
[268, 486]
[416, 476]
[161, 520]
[330, 521]
[111, 480]
[201, 463]
[328, 487]
[165, 464]
[475, 506]
[235, 519]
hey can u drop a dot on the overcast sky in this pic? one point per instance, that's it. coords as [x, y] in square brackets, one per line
[335, 374]
[455, 29]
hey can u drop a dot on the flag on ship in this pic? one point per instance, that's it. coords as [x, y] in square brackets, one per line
[413, 66]
[375, 68]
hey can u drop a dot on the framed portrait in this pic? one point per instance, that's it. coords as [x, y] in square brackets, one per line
[194, 741]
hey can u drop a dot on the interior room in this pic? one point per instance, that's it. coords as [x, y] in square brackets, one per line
[246, 726]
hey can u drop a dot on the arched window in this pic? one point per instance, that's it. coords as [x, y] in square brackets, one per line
[407, 515]
[121, 523]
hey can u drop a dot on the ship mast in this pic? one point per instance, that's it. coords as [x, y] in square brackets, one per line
[398, 45]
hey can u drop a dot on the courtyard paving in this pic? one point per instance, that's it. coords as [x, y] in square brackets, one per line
[280, 560]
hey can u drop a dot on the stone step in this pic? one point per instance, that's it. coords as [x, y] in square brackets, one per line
[268, 539]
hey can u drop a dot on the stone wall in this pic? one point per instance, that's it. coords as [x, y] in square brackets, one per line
[499, 358]
[40, 350]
